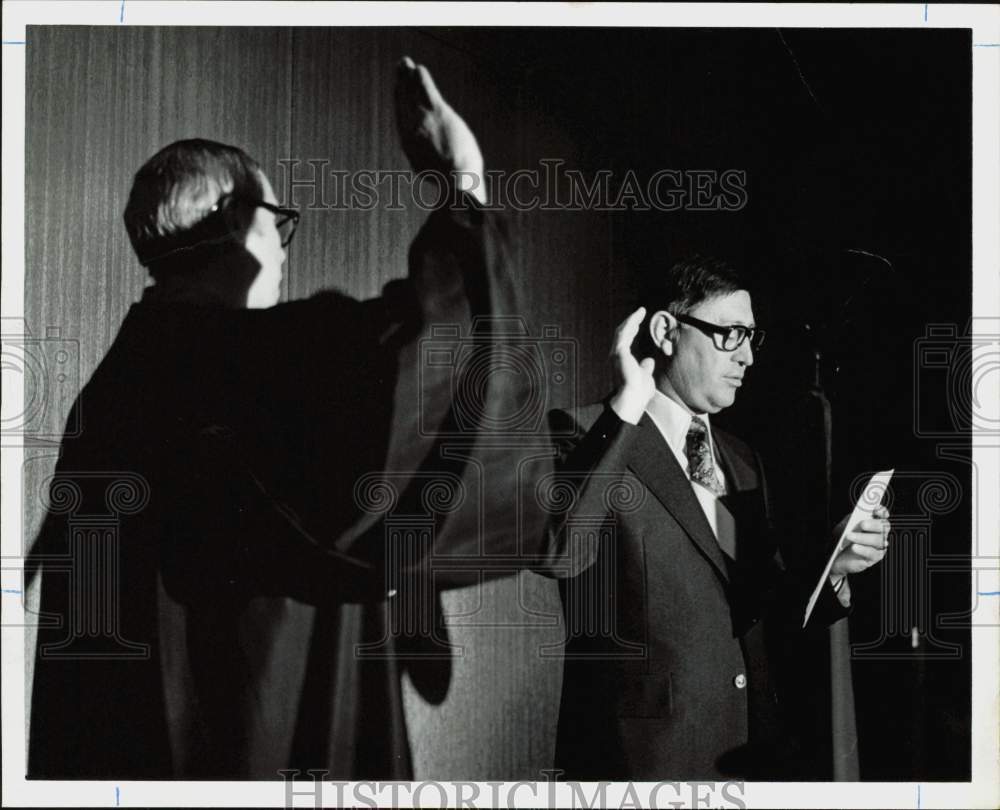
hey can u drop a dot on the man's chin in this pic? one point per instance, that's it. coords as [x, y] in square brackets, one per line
[721, 402]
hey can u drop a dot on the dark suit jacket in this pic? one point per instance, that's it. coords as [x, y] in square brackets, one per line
[667, 672]
[208, 565]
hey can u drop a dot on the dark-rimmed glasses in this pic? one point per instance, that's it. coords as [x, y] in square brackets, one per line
[727, 338]
[286, 220]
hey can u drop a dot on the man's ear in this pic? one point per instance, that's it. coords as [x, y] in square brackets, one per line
[235, 217]
[662, 328]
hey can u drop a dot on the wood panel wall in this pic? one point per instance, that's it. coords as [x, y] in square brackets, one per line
[101, 100]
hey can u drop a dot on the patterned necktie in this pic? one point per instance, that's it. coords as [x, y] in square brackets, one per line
[700, 465]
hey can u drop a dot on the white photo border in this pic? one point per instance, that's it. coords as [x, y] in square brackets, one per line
[983, 20]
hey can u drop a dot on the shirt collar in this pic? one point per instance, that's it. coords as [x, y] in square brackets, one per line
[673, 421]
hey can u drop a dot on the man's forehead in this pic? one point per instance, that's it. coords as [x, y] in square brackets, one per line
[734, 307]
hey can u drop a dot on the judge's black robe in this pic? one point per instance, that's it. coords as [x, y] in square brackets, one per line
[211, 558]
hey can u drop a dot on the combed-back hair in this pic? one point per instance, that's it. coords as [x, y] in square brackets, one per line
[691, 281]
[169, 215]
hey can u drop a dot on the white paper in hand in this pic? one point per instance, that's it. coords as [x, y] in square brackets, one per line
[870, 498]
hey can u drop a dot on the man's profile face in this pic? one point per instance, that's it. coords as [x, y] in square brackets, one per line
[263, 242]
[704, 378]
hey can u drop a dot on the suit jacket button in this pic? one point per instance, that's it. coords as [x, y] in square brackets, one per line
[740, 681]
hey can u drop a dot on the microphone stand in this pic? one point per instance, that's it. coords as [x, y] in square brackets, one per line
[829, 327]
[843, 723]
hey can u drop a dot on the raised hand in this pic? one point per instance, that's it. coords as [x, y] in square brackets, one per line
[433, 135]
[634, 378]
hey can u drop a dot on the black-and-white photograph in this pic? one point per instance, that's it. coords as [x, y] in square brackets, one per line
[606, 409]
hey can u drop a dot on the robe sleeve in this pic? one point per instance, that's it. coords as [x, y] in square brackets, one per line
[355, 427]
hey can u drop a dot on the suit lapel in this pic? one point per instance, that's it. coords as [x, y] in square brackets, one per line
[744, 500]
[738, 473]
[657, 467]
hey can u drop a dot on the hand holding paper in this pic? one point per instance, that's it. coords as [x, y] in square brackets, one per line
[862, 545]
[862, 538]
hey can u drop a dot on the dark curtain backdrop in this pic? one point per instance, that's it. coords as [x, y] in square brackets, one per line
[850, 140]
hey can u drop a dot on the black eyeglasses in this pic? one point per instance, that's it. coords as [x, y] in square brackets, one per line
[727, 338]
[286, 220]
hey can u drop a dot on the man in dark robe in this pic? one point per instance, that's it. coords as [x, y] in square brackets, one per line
[214, 630]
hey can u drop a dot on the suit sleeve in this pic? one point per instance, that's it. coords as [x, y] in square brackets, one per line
[588, 464]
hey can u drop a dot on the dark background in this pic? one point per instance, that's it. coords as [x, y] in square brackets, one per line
[851, 141]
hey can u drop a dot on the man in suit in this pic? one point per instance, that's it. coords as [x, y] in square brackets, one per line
[205, 556]
[675, 595]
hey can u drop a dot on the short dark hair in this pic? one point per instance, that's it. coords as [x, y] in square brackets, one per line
[691, 281]
[168, 211]
[685, 285]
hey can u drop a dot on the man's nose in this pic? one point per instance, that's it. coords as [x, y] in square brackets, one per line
[744, 354]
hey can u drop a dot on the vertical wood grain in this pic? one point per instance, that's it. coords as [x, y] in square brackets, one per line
[99, 102]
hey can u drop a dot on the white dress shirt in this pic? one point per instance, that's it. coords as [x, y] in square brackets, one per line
[673, 421]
